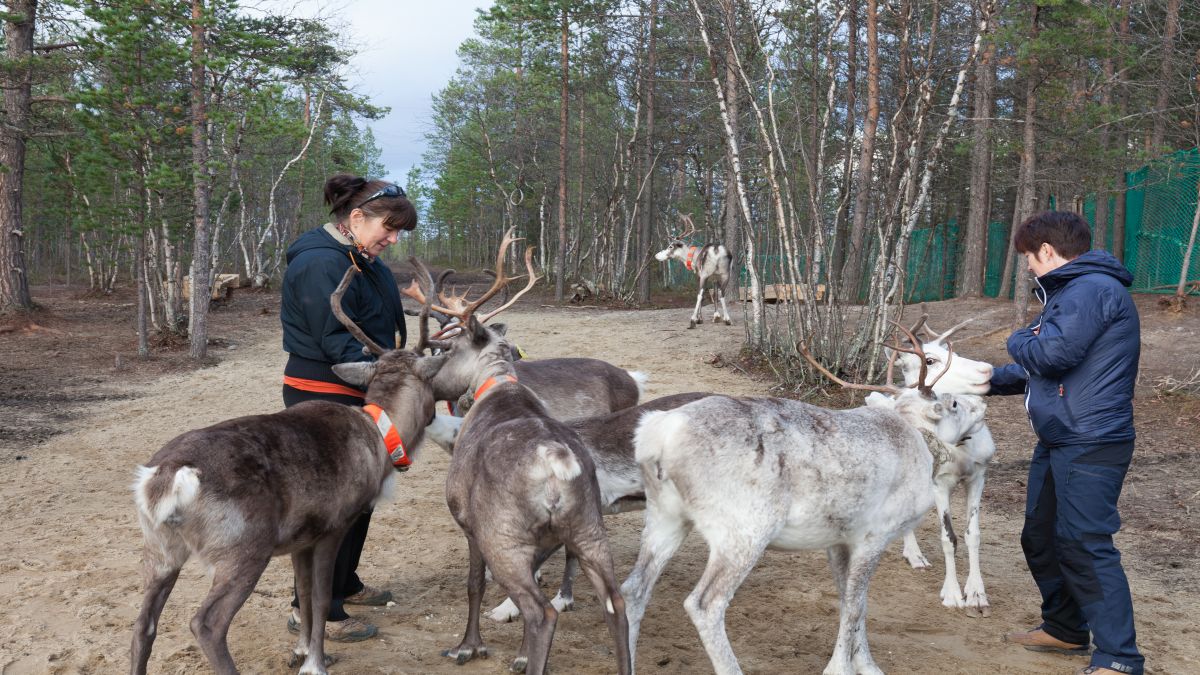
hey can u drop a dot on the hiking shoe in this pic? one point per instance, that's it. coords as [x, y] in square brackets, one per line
[1038, 640]
[350, 630]
[369, 596]
[1096, 670]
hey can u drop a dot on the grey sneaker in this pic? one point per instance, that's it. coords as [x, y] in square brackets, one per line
[369, 595]
[351, 630]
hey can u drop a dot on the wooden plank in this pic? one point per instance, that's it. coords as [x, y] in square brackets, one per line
[784, 292]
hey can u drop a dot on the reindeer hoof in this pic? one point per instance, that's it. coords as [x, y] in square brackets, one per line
[692, 324]
[519, 664]
[296, 659]
[462, 654]
[979, 612]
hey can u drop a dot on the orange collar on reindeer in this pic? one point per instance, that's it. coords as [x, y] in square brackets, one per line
[491, 382]
[691, 254]
[391, 437]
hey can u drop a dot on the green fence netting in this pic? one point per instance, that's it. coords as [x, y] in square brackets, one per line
[1160, 203]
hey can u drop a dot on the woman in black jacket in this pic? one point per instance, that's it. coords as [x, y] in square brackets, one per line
[368, 216]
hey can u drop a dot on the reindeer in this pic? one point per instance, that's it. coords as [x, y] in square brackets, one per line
[239, 492]
[803, 477]
[708, 261]
[571, 388]
[520, 484]
[964, 463]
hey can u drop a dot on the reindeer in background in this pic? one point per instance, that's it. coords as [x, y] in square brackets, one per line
[708, 261]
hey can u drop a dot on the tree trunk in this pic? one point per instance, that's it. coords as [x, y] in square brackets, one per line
[201, 245]
[559, 281]
[646, 210]
[1170, 30]
[730, 225]
[1122, 143]
[17, 84]
[1180, 290]
[852, 272]
[1026, 199]
[838, 255]
[970, 278]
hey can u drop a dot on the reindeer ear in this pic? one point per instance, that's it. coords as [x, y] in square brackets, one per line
[935, 411]
[427, 367]
[358, 373]
[499, 328]
[479, 332]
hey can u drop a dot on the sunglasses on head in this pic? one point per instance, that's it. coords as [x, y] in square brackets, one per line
[386, 191]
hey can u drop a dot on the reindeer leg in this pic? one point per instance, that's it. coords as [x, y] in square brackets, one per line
[699, 300]
[977, 600]
[512, 568]
[839, 564]
[724, 307]
[661, 537]
[302, 564]
[472, 642]
[712, 298]
[951, 593]
[160, 579]
[323, 554]
[597, 564]
[850, 653]
[233, 580]
[912, 552]
[508, 610]
[730, 559]
[565, 600]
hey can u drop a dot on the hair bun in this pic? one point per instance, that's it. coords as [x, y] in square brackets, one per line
[340, 188]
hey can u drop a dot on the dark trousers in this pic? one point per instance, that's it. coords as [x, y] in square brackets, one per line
[345, 566]
[1070, 518]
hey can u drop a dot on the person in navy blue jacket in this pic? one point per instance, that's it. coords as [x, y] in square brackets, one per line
[1076, 365]
[368, 216]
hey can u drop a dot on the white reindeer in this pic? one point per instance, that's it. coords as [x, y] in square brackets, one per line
[711, 261]
[964, 463]
[801, 477]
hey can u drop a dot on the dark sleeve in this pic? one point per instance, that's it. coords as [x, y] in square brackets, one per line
[1065, 335]
[314, 286]
[1007, 380]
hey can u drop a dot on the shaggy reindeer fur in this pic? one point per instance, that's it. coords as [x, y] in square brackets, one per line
[239, 492]
[802, 477]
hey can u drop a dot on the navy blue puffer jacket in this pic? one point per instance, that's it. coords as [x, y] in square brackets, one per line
[312, 335]
[1078, 370]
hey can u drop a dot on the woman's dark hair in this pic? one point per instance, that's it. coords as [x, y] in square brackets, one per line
[1066, 231]
[345, 192]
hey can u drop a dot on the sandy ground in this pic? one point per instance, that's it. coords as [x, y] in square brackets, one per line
[69, 559]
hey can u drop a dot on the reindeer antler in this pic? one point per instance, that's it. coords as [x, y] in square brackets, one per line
[925, 389]
[424, 294]
[887, 389]
[938, 337]
[335, 303]
[458, 306]
[687, 220]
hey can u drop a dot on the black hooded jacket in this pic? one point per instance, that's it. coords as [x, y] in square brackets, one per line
[311, 333]
[1079, 369]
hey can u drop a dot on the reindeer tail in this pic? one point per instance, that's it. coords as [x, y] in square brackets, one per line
[657, 430]
[558, 460]
[161, 496]
[640, 379]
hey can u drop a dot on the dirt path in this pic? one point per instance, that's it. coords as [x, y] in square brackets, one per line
[69, 568]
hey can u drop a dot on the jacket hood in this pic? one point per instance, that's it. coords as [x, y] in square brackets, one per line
[1091, 262]
[317, 238]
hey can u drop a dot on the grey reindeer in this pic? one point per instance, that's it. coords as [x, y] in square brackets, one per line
[520, 484]
[802, 477]
[710, 261]
[239, 492]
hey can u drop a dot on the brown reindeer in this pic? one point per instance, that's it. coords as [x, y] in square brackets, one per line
[239, 492]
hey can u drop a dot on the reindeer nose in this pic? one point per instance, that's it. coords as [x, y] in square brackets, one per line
[986, 370]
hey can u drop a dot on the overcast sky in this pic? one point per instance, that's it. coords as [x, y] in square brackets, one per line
[406, 54]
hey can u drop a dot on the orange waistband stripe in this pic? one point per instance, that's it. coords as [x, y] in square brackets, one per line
[320, 387]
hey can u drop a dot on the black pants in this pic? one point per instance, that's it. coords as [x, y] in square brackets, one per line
[1070, 519]
[345, 565]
